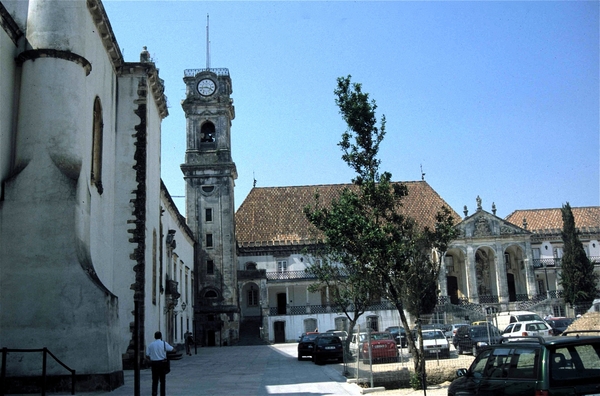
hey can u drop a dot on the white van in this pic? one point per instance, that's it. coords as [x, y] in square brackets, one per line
[503, 319]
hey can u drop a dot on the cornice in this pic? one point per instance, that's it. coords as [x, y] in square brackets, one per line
[9, 25]
[155, 83]
[54, 53]
[105, 32]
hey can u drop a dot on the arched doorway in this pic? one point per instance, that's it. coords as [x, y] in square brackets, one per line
[452, 282]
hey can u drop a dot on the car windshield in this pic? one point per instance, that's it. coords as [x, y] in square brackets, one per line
[309, 337]
[433, 335]
[562, 322]
[329, 341]
[528, 317]
[482, 332]
[536, 326]
[380, 336]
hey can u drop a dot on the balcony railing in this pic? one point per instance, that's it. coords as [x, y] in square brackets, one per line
[289, 275]
[488, 299]
[557, 262]
[546, 262]
[217, 71]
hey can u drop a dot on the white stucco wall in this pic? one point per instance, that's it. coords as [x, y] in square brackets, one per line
[7, 91]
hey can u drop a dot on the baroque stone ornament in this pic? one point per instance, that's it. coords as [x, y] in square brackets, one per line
[482, 227]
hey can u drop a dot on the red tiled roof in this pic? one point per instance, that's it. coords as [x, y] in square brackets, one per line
[275, 214]
[551, 219]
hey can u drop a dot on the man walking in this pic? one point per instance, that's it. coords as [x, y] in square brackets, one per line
[157, 353]
[189, 340]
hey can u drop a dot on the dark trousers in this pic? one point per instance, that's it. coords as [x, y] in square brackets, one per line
[158, 374]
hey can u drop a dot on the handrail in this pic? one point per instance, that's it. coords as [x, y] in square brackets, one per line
[45, 353]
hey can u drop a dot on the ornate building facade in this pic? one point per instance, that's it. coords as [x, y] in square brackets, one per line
[493, 265]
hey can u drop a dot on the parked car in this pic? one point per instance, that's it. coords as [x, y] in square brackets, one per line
[340, 333]
[309, 332]
[472, 339]
[327, 346]
[435, 344]
[430, 326]
[383, 348]
[532, 328]
[452, 330]
[398, 334]
[533, 366]
[306, 345]
[503, 319]
[559, 324]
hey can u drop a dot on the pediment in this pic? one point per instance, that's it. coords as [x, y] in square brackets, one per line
[483, 224]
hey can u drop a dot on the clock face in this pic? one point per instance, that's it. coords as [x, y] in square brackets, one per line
[206, 87]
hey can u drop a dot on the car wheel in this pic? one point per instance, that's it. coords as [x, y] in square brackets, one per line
[299, 357]
[459, 349]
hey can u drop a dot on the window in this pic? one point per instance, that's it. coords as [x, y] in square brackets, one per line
[210, 267]
[373, 323]
[209, 240]
[208, 215]
[507, 261]
[207, 132]
[251, 266]
[281, 265]
[253, 297]
[210, 294]
[341, 323]
[449, 262]
[536, 253]
[97, 132]
[310, 325]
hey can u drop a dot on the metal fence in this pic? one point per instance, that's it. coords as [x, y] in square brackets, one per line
[397, 371]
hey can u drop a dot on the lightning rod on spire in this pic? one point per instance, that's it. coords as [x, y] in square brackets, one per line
[207, 45]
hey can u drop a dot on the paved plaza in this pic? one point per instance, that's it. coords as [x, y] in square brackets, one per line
[251, 371]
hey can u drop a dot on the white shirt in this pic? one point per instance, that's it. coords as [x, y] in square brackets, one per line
[156, 350]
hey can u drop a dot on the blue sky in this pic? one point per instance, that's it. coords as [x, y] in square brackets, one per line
[496, 99]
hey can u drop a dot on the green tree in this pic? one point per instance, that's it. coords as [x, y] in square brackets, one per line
[365, 227]
[347, 287]
[578, 278]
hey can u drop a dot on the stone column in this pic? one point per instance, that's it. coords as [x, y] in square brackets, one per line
[442, 279]
[529, 271]
[501, 281]
[471, 276]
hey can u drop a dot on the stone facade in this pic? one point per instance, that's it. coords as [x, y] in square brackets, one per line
[210, 173]
[493, 265]
[83, 218]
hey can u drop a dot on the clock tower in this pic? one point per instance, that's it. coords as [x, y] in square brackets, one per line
[210, 174]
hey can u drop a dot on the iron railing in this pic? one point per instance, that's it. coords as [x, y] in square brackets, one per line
[547, 262]
[45, 353]
[289, 275]
[217, 71]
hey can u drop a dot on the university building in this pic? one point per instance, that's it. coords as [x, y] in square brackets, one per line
[493, 265]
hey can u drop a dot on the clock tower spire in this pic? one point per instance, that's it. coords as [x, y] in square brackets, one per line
[210, 174]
